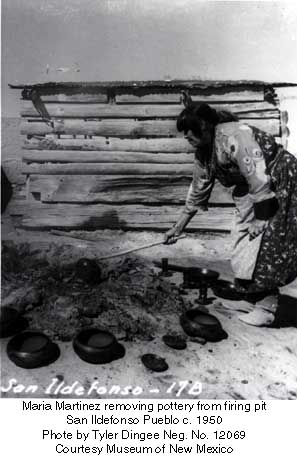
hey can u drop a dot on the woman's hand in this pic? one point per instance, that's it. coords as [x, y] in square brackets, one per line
[173, 233]
[171, 236]
[257, 227]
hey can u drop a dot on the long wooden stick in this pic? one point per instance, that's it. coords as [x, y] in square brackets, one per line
[121, 253]
[132, 250]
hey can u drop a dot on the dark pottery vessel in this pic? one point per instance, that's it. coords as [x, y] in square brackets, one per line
[154, 362]
[200, 324]
[195, 277]
[88, 270]
[32, 349]
[97, 347]
[174, 341]
[226, 290]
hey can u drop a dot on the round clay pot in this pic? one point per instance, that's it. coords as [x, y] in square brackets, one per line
[32, 349]
[97, 347]
[174, 341]
[198, 277]
[88, 270]
[226, 290]
[200, 324]
[154, 362]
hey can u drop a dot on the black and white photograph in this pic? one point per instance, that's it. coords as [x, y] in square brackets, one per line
[149, 200]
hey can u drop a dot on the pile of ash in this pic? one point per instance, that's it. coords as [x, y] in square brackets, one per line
[131, 300]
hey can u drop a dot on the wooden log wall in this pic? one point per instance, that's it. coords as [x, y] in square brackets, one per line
[109, 155]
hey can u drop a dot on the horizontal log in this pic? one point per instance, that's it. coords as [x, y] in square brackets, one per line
[125, 128]
[74, 98]
[105, 157]
[164, 85]
[107, 169]
[45, 222]
[112, 127]
[265, 114]
[204, 96]
[39, 215]
[62, 110]
[118, 189]
[153, 145]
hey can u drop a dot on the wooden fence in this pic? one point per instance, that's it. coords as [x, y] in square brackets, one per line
[108, 155]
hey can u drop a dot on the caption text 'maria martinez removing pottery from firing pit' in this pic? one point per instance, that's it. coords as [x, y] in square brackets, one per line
[264, 177]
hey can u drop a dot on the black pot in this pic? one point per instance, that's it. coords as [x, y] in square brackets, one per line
[175, 341]
[88, 270]
[200, 324]
[154, 362]
[11, 322]
[32, 349]
[226, 290]
[196, 277]
[97, 347]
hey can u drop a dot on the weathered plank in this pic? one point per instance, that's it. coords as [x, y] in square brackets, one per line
[74, 98]
[153, 145]
[108, 169]
[165, 85]
[111, 127]
[62, 110]
[38, 215]
[145, 87]
[45, 222]
[119, 189]
[231, 96]
[126, 128]
[43, 156]
[264, 114]
[222, 96]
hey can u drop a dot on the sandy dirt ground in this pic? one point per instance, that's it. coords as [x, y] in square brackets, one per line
[253, 363]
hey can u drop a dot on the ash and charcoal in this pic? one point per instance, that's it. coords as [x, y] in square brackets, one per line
[55, 294]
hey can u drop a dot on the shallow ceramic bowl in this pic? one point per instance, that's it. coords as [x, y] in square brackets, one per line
[88, 270]
[200, 324]
[154, 362]
[196, 276]
[203, 272]
[31, 349]
[175, 341]
[226, 290]
[97, 347]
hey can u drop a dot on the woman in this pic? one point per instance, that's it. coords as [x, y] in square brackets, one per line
[264, 177]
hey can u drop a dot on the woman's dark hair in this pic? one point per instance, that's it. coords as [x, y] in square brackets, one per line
[190, 118]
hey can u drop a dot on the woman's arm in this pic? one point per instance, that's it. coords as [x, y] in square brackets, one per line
[197, 197]
[250, 159]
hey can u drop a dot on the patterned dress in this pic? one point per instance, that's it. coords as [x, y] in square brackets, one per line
[264, 177]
